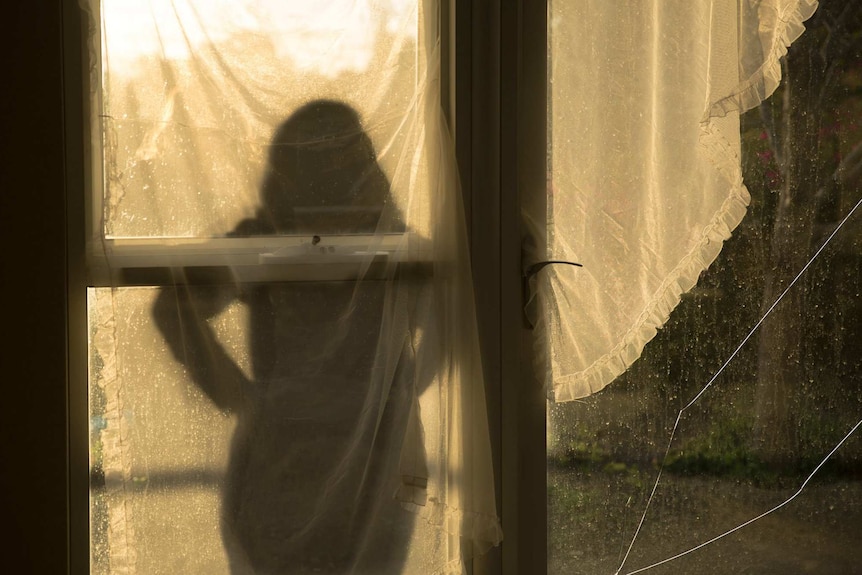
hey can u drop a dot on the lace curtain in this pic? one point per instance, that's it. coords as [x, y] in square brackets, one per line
[645, 182]
[285, 374]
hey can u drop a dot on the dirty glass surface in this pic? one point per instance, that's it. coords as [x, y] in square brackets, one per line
[284, 365]
[707, 454]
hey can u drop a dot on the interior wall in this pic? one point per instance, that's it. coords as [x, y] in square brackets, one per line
[33, 431]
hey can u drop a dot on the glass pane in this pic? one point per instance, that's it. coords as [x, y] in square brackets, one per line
[193, 94]
[199, 472]
[158, 447]
[787, 398]
[249, 422]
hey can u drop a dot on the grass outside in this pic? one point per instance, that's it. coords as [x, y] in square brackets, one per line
[605, 455]
[595, 512]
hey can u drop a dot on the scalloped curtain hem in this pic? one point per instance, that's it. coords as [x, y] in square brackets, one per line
[746, 95]
[763, 82]
[481, 530]
[683, 278]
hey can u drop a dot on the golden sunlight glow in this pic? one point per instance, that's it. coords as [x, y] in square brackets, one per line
[328, 36]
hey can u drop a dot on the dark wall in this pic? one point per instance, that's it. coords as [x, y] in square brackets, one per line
[32, 208]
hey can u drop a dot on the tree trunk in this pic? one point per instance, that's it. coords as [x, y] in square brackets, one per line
[781, 370]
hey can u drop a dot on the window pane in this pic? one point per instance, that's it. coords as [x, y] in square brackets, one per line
[158, 447]
[205, 472]
[327, 420]
[786, 399]
[192, 93]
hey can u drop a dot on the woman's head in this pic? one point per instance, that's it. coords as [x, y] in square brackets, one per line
[323, 176]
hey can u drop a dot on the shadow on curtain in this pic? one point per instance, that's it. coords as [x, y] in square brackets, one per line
[314, 459]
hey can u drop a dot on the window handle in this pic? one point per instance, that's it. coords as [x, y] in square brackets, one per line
[528, 296]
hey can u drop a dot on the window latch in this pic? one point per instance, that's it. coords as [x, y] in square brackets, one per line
[528, 293]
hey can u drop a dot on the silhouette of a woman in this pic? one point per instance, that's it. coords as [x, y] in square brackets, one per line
[314, 459]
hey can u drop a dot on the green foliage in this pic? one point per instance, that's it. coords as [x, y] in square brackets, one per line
[726, 451]
[580, 452]
[723, 450]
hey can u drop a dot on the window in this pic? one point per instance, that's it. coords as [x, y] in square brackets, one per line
[639, 407]
[284, 368]
[701, 456]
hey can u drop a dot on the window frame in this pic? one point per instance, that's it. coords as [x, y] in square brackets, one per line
[498, 114]
[78, 159]
[34, 179]
[138, 261]
[501, 162]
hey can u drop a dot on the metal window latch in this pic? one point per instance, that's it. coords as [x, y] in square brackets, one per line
[528, 297]
[537, 267]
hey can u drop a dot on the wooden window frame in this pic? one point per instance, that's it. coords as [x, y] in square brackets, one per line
[495, 53]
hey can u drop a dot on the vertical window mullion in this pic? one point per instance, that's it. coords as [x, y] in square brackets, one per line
[499, 123]
[75, 75]
[524, 176]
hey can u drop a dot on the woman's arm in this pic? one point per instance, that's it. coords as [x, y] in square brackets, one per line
[181, 315]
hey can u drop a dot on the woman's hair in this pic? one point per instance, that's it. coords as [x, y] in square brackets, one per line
[323, 177]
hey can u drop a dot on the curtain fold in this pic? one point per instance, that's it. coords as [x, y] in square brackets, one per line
[645, 182]
[330, 419]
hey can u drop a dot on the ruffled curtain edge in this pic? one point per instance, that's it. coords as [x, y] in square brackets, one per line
[747, 94]
[751, 91]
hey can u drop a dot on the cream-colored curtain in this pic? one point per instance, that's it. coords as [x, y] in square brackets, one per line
[645, 182]
[285, 374]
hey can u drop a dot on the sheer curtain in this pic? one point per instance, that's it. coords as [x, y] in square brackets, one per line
[645, 182]
[285, 374]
